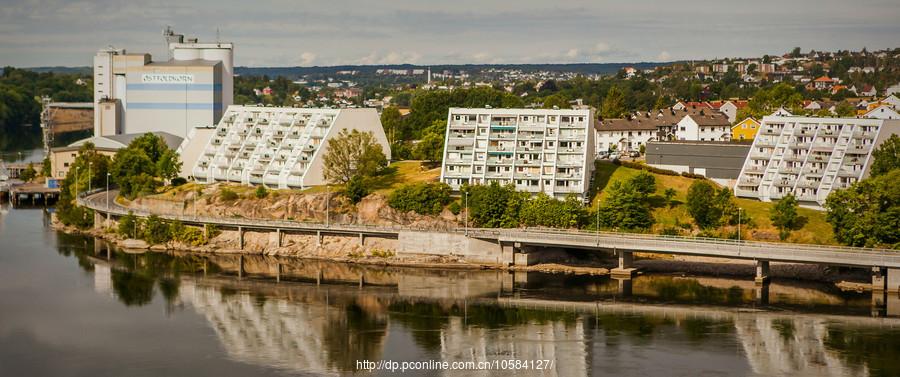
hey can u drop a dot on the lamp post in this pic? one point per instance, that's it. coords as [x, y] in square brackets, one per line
[328, 206]
[739, 223]
[107, 190]
[90, 175]
[77, 168]
[466, 219]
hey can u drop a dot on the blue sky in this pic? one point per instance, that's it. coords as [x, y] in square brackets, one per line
[313, 32]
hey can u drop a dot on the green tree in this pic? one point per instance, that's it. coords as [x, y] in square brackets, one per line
[784, 215]
[625, 207]
[431, 146]
[356, 189]
[422, 198]
[353, 153]
[46, 168]
[644, 182]
[886, 157]
[128, 226]
[557, 101]
[867, 213]
[707, 205]
[670, 195]
[391, 121]
[493, 205]
[543, 210]
[613, 104]
[139, 168]
[28, 174]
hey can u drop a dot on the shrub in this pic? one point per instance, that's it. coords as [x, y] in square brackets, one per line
[455, 208]
[708, 206]
[422, 198]
[261, 192]
[542, 210]
[128, 226]
[356, 189]
[640, 166]
[178, 181]
[227, 195]
[156, 230]
[494, 206]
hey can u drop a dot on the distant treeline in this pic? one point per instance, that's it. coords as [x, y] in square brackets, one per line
[20, 102]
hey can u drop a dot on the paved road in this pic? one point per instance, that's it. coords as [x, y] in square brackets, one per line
[712, 247]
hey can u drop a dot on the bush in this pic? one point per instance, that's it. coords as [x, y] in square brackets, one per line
[128, 226]
[692, 175]
[356, 189]
[227, 195]
[640, 166]
[421, 198]
[542, 210]
[178, 181]
[708, 206]
[156, 230]
[494, 206]
[455, 208]
[261, 192]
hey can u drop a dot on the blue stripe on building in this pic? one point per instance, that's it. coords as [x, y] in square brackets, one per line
[173, 106]
[189, 87]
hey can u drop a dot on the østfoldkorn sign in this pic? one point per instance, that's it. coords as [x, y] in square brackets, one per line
[167, 78]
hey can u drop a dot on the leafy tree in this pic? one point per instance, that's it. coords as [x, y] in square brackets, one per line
[845, 109]
[626, 207]
[46, 168]
[613, 104]
[139, 168]
[356, 189]
[556, 100]
[155, 230]
[784, 215]
[391, 121]
[494, 206]
[543, 210]
[644, 182]
[128, 226]
[88, 169]
[670, 195]
[431, 147]
[886, 157]
[353, 153]
[29, 173]
[422, 198]
[707, 205]
[867, 213]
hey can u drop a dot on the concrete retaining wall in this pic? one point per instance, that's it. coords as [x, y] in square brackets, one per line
[450, 244]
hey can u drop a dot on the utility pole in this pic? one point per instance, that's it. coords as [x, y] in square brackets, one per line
[739, 223]
[77, 168]
[90, 175]
[467, 212]
[107, 190]
[327, 206]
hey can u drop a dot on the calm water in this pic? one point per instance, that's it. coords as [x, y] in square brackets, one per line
[71, 307]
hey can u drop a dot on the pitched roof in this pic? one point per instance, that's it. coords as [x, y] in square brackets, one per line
[823, 79]
[652, 120]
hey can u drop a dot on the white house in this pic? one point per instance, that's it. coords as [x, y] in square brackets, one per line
[894, 89]
[708, 125]
[882, 112]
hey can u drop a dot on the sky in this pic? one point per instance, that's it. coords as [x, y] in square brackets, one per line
[336, 32]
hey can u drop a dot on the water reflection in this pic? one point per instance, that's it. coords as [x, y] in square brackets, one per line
[323, 317]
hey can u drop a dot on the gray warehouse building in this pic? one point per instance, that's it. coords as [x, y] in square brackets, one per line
[716, 160]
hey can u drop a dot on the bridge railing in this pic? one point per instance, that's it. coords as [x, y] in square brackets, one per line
[576, 236]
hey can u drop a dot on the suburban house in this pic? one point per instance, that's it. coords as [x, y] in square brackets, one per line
[745, 130]
[868, 91]
[703, 125]
[729, 107]
[882, 111]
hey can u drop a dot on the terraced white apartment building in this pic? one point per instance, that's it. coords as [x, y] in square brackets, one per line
[536, 150]
[278, 146]
[810, 156]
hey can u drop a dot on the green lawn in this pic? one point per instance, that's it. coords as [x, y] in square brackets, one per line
[816, 230]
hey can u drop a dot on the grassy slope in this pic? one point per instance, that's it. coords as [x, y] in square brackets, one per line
[816, 230]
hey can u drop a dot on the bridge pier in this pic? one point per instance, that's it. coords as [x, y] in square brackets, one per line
[362, 239]
[98, 220]
[241, 238]
[318, 238]
[278, 237]
[319, 277]
[625, 286]
[761, 294]
[625, 269]
[762, 272]
[240, 266]
[278, 272]
[879, 279]
[893, 279]
[507, 254]
[362, 280]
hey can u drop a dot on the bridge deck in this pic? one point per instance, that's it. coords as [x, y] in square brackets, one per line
[711, 247]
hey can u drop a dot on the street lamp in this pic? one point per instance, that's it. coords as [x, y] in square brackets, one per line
[739, 223]
[467, 211]
[107, 190]
[327, 206]
[90, 175]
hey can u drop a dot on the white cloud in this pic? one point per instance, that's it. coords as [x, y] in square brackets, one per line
[307, 58]
[391, 57]
[664, 56]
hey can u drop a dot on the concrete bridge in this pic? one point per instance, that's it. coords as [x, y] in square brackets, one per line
[523, 246]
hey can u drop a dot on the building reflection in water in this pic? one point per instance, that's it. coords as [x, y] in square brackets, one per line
[299, 325]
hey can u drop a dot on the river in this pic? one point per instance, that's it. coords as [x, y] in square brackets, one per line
[74, 306]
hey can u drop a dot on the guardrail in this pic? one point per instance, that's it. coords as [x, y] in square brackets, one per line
[838, 255]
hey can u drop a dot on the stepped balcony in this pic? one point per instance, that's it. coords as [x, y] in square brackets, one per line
[755, 169]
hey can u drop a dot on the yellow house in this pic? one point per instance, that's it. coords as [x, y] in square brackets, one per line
[745, 130]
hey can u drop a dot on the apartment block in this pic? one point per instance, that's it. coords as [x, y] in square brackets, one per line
[536, 150]
[810, 157]
[277, 146]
